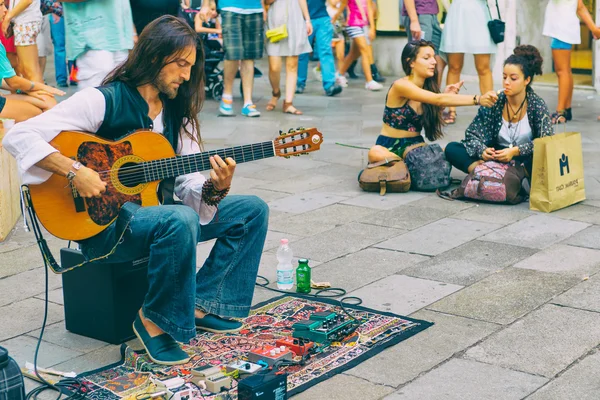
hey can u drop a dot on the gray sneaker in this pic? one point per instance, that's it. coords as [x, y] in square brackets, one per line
[299, 89]
[334, 90]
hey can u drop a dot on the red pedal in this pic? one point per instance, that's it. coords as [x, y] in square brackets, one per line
[270, 354]
[299, 346]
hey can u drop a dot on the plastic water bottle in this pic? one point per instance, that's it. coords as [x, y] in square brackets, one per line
[285, 270]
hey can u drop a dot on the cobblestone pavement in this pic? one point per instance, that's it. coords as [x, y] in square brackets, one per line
[513, 293]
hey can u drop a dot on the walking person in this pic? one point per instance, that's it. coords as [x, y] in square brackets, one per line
[242, 24]
[562, 25]
[26, 17]
[466, 32]
[61, 67]
[361, 31]
[322, 38]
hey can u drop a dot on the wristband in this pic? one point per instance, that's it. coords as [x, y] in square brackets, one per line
[475, 101]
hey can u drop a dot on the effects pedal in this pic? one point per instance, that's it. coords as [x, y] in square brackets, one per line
[244, 367]
[212, 377]
[270, 354]
[268, 386]
[300, 347]
[324, 327]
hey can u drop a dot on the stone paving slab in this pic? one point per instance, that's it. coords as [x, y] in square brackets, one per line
[387, 202]
[543, 343]
[340, 241]
[344, 387]
[505, 296]
[25, 316]
[579, 382]
[106, 355]
[55, 296]
[303, 202]
[585, 295]
[402, 294]
[363, 267]
[26, 284]
[320, 220]
[469, 263]
[589, 237]
[58, 335]
[564, 259]
[22, 349]
[468, 380]
[494, 213]
[273, 239]
[404, 362]
[407, 217]
[576, 212]
[301, 184]
[27, 258]
[267, 195]
[439, 236]
[538, 231]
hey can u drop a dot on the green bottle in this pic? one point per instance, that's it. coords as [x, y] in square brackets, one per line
[303, 276]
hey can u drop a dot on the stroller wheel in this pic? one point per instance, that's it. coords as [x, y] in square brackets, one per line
[217, 91]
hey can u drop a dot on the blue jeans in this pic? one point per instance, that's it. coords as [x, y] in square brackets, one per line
[322, 35]
[60, 56]
[168, 235]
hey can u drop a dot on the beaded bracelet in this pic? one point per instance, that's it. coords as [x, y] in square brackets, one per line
[212, 196]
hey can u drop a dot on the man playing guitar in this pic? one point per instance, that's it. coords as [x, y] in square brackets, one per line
[160, 88]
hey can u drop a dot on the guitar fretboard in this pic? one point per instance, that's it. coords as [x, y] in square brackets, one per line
[181, 165]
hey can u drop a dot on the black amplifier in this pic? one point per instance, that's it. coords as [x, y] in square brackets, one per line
[263, 387]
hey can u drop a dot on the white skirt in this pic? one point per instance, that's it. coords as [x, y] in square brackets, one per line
[466, 30]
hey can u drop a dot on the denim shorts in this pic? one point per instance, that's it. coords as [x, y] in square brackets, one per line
[398, 145]
[556, 44]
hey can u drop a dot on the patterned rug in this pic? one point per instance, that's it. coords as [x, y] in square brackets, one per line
[266, 323]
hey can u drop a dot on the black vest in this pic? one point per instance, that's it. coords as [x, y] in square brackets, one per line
[127, 111]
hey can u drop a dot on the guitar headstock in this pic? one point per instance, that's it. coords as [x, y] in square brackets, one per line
[298, 141]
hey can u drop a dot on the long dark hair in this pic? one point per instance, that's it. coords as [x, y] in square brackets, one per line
[160, 43]
[528, 58]
[432, 115]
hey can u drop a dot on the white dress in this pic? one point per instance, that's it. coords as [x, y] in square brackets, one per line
[297, 41]
[466, 30]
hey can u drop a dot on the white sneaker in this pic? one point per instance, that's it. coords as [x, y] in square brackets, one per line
[342, 81]
[317, 74]
[373, 86]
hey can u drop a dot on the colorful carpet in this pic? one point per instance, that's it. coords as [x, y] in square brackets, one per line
[267, 322]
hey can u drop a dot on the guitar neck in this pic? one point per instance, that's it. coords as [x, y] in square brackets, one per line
[180, 165]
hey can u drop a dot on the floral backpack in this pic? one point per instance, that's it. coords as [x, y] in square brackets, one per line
[492, 182]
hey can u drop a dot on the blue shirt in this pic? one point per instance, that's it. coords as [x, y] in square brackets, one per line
[6, 70]
[242, 4]
[98, 25]
[317, 9]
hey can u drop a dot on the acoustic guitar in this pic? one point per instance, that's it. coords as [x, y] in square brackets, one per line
[133, 168]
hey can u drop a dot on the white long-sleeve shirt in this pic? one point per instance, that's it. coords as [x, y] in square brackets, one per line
[28, 142]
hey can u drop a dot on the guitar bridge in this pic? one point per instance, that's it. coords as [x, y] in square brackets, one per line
[77, 199]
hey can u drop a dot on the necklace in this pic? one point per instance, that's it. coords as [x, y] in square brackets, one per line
[513, 133]
[515, 114]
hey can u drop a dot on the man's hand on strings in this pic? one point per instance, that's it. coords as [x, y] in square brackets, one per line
[88, 183]
[222, 172]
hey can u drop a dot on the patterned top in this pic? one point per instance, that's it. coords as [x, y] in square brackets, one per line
[404, 118]
[483, 131]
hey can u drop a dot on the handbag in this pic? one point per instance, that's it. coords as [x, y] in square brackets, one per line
[385, 176]
[10, 32]
[496, 26]
[428, 167]
[12, 385]
[51, 7]
[277, 34]
[492, 182]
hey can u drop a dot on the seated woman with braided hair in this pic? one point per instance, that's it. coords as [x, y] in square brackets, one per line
[507, 130]
[414, 103]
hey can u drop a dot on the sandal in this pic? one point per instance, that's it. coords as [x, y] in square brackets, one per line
[449, 117]
[559, 117]
[289, 108]
[271, 105]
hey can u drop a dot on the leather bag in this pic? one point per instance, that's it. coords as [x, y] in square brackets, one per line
[389, 175]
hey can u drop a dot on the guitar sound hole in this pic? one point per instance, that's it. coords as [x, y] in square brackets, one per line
[131, 174]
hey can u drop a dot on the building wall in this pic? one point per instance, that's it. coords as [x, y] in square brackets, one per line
[530, 22]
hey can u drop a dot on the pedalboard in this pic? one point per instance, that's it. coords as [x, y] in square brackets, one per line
[270, 354]
[299, 347]
[324, 327]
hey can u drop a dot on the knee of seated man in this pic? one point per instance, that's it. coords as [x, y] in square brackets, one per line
[256, 207]
[181, 216]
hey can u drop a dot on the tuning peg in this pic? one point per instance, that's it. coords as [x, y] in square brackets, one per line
[281, 133]
[296, 155]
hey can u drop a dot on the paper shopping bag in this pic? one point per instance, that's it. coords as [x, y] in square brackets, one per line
[557, 172]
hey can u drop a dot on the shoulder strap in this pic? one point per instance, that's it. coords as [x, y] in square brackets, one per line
[412, 147]
[497, 9]
[383, 162]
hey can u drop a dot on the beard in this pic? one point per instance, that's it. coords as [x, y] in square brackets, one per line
[165, 87]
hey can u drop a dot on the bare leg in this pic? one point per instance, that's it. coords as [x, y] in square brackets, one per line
[42, 61]
[486, 80]
[562, 65]
[29, 63]
[275, 79]
[441, 64]
[43, 105]
[379, 153]
[19, 110]
[353, 54]
[247, 74]
[455, 65]
[230, 68]
[291, 76]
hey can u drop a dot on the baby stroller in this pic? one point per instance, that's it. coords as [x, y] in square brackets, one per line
[214, 54]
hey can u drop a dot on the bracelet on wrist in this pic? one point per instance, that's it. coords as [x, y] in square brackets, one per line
[210, 195]
[475, 101]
